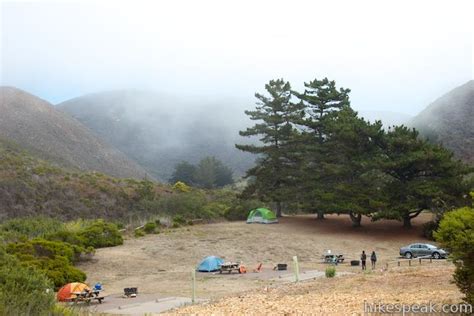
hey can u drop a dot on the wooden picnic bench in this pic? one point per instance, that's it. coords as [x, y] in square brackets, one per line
[87, 296]
[229, 267]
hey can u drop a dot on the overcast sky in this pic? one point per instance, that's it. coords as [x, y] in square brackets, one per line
[394, 55]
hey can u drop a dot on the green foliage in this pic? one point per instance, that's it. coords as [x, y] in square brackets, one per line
[178, 221]
[101, 234]
[183, 172]
[181, 187]
[456, 234]
[420, 176]
[23, 290]
[185, 204]
[150, 228]
[276, 118]
[330, 272]
[29, 227]
[317, 155]
[239, 208]
[139, 233]
[53, 259]
[209, 173]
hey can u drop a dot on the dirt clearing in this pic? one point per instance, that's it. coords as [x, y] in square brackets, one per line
[161, 264]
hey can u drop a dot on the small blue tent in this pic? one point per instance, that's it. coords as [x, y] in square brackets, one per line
[209, 264]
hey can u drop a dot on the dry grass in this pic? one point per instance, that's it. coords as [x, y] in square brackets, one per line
[340, 296]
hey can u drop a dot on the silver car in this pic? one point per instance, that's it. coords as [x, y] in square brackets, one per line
[422, 250]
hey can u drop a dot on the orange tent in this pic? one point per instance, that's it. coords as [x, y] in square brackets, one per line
[66, 293]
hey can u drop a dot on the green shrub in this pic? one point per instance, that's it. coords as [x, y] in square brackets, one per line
[456, 234]
[330, 272]
[29, 227]
[187, 204]
[178, 221]
[139, 233]
[239, 209]
[181, 187]
[44, 249]
[53, 258]
[150, 228]
[23, 290]
[58, 269]
[101, 234]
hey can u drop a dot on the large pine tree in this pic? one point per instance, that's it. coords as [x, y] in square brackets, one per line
[275, 115]
[353, 176]
[321, 100]
[421, 176]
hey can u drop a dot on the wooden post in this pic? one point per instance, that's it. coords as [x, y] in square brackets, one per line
[409, 262]
[420, 260]
[297, 268]
[193, 275]
[399, 263]
[431, 260]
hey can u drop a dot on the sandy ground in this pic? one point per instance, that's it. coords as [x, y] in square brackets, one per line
[346, 295]
[160, 265]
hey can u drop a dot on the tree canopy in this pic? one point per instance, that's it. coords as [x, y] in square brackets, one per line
[317, 155]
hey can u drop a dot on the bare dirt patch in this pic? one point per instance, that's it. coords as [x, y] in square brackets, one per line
[161, 264]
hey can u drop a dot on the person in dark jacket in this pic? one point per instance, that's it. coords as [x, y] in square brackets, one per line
[373, 259]
[363, 258]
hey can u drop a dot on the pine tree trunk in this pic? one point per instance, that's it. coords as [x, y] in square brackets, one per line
[320, 215]
[356, 219]
[407, 221]
[278, 206]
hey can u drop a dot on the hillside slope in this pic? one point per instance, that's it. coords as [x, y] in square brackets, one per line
[450, 121]
[36, 125]
[159, 131]
[30, 186]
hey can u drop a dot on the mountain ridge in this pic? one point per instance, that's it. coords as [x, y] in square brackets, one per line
[38, 126]
[449, 121]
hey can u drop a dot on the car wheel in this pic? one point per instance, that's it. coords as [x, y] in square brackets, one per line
[408, 255]
[436, 255]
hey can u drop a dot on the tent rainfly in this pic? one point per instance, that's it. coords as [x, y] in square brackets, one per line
[262, 216]
[210, 264]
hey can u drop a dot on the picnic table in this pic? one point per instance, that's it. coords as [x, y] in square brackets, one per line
[87, 296]
[331, 258]
[229, 267]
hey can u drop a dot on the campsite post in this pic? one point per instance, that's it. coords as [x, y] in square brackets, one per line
[297, 269]
[193, 274]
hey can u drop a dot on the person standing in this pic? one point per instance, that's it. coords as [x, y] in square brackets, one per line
[373, 259]
[363, 259]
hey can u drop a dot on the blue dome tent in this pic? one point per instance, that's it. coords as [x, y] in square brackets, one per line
[209, 264]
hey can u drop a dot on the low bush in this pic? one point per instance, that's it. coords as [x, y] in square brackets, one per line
[150, 228]
[178, 221]
[139, 233]
[53, 259]
[23, 290]
[21, 229]
[455, 233]
[100, 234]
[330, 272]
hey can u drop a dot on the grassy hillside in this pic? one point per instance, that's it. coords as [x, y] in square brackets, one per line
[36, 125]
[449, 120]
[159, 131]
[31, 187]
